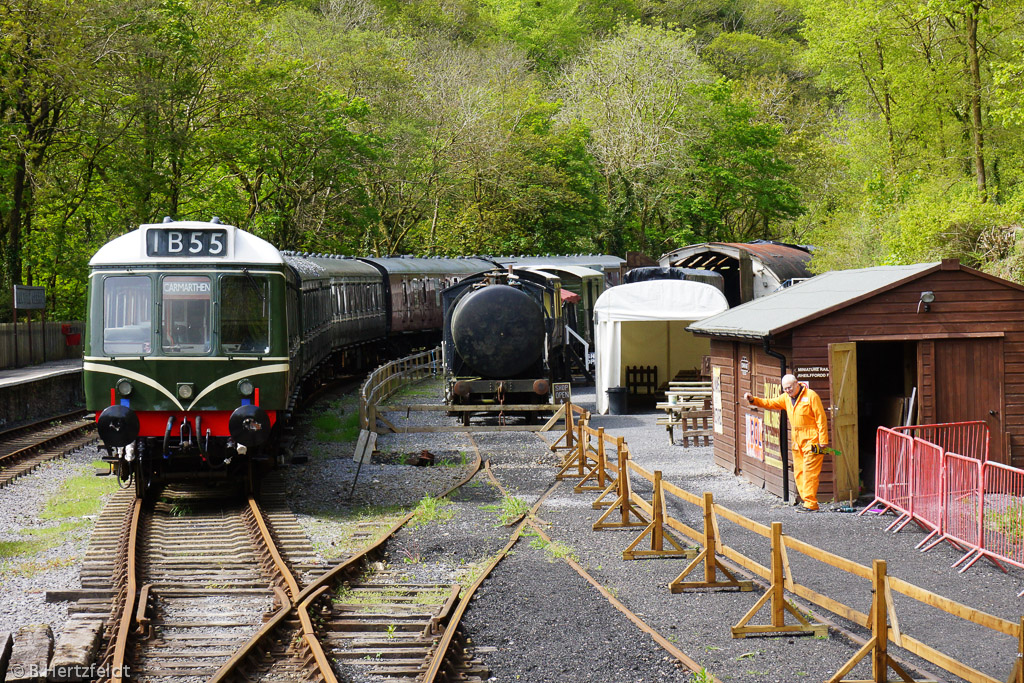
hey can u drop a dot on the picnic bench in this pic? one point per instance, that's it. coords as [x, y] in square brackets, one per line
[688, 406]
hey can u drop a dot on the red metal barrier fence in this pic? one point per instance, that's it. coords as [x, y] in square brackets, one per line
[966, 438]
[956, 496]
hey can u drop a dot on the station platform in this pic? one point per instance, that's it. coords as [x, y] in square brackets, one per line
[38, 391]
[34, 373]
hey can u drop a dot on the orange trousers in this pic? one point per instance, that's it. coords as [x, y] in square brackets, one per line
[806, 467]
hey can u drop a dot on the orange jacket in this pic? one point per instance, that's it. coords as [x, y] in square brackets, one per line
[806, 418]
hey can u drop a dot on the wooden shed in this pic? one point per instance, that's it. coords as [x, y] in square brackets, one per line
[919, 344]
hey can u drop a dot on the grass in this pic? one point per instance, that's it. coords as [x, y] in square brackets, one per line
[332, 426]
[432, 510]
[702, 676]
[510, 509]
[555, 549]
[1009, 523]
[79, 496]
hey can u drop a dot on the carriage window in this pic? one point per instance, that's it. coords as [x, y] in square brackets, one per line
[244, 314]
[126, 315]
[186, 314]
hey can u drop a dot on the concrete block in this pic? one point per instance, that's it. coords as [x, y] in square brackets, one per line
[30, 656]
[6, 641]
[75, 651]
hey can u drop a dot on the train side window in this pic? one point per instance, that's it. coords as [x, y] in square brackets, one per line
[127, 327]
[185, 311]
[245, 314]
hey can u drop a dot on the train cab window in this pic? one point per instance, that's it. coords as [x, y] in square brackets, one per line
[244, 314]
[185, 313]
[126, 315]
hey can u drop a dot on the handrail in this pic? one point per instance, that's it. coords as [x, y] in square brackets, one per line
[386, 380]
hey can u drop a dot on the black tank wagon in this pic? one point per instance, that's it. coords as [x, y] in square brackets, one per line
[504, 339]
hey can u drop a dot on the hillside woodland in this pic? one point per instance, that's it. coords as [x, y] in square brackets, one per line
[878, 132]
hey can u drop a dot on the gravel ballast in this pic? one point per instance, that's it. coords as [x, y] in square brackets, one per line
[535, 619]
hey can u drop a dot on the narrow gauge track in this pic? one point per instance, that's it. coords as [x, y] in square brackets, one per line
[24, 448]
[198, 573]
[680, 656]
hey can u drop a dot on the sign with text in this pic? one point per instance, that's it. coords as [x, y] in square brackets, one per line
[755, 437]
[29, 298]
[809, 372]
[189, 243]
[772, 435]
[744, 366]
[562, 392]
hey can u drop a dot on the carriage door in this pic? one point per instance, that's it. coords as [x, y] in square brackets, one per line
[969, 386]
[842, 361]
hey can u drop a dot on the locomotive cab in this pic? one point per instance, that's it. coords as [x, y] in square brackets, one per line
[186, 351]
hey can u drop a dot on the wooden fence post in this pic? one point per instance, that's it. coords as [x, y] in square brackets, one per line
[709, 556]
[776, 594]
[656, 530]
[576, 457]
[877, 645]
[598, 471]
[623, 502]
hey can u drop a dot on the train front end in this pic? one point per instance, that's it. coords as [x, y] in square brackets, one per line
[186, 351]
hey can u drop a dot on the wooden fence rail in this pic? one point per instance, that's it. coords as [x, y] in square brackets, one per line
[588, 461]
[386, 380]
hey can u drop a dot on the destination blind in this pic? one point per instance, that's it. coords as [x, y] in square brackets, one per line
[187, 243]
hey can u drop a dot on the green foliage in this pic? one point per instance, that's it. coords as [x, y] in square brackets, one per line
[745, 188]
[511, 509]
[331, 426]
[432, 510]
[379, 126]
[1009, 523]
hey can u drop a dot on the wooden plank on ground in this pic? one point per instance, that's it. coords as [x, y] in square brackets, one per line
[481, 408]
[364, 446]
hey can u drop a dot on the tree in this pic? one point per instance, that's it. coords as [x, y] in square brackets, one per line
[638, 94]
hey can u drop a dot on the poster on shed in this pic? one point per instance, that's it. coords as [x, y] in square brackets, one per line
[716, 399]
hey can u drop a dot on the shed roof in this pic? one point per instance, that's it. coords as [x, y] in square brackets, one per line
[807, 300]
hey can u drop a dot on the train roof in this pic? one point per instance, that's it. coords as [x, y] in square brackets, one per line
[149, 244]
[427, 265]
[323, 265]
[581, 272]
[600, 262]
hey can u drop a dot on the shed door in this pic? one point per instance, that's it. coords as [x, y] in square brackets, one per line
[842, 360]
[969, 386]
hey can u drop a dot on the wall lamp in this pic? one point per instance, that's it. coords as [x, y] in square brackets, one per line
[926, 299]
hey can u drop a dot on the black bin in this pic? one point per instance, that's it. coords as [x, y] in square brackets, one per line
[617, 401]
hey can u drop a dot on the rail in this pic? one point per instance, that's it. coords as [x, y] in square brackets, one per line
[386, 380]
[592, 461]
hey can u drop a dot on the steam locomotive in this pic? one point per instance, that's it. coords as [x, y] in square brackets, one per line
[201, 337]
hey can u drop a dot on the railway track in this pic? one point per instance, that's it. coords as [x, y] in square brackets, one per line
[362, 619]
[208, 587]
[24, 448]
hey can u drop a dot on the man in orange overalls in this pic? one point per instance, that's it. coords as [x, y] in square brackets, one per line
[808, 432]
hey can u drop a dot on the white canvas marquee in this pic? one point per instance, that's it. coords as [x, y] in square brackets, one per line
[644, 323]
